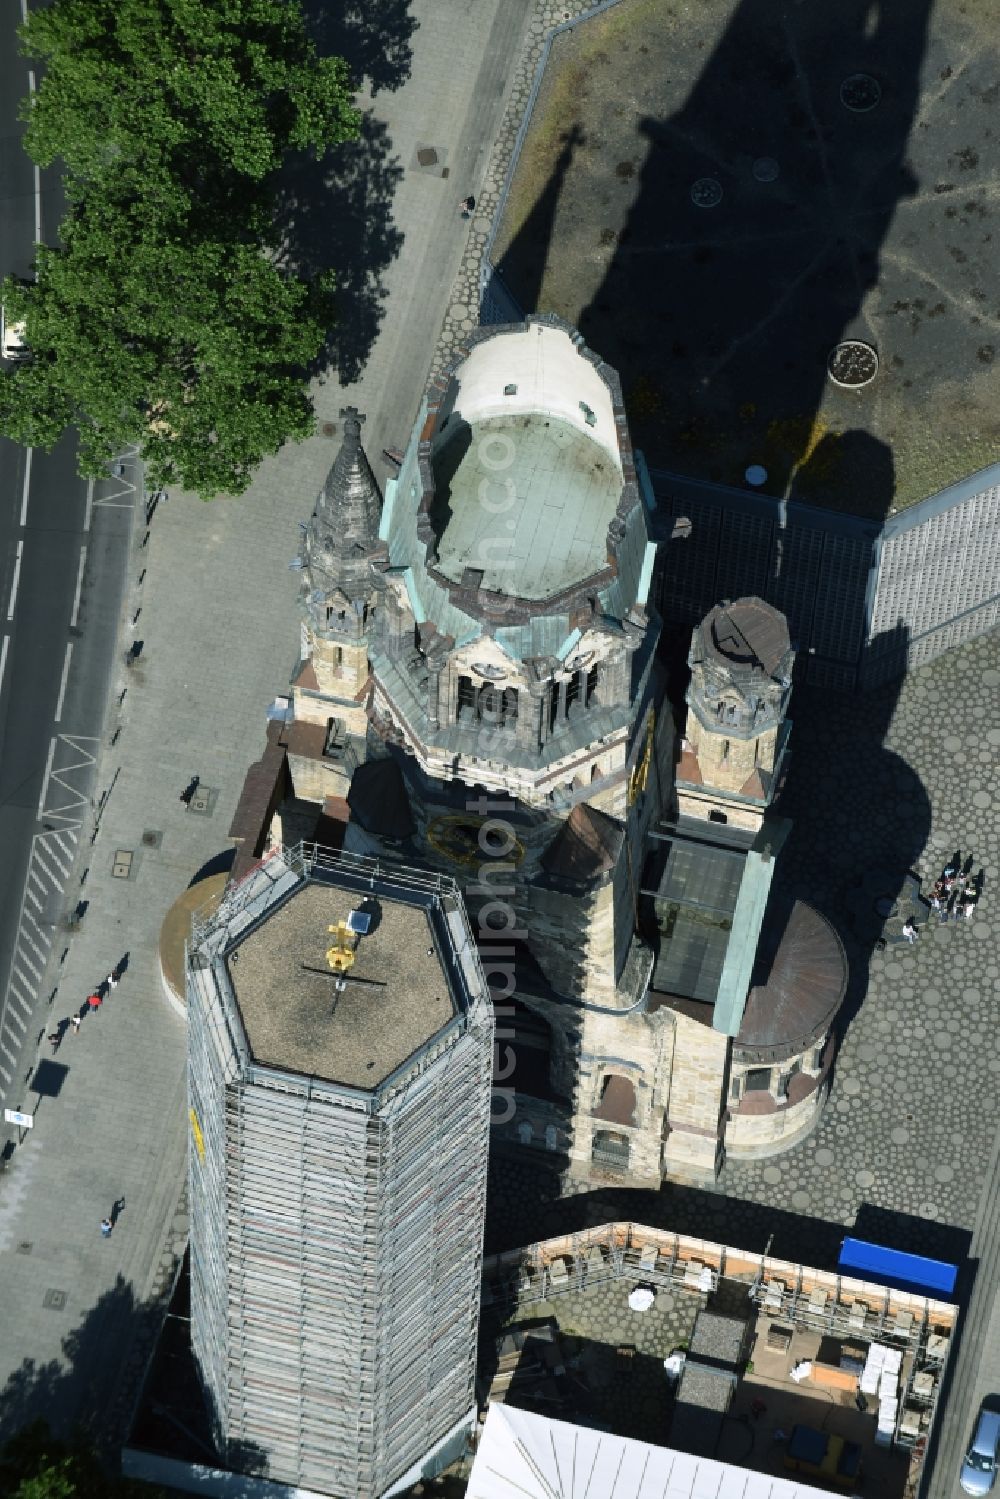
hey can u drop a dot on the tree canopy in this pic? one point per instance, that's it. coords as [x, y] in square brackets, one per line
[168, 316]
[36, 1465]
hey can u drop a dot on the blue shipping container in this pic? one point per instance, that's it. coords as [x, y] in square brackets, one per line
[891, 1267]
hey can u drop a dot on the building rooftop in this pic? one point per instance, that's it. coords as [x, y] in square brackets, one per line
[691, 886]
[720, 202]
[545, 526]
[396, 996]
[746, 637]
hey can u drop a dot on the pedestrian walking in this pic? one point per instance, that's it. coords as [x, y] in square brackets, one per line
[76, 1021]
[94, 1002]
[935, 900]
[106, 1227]
[968, 907]
[909, 930]
[466, 206]
[111, 982]
[55, 1040]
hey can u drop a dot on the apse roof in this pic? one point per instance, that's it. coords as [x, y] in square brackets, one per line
[801, 978]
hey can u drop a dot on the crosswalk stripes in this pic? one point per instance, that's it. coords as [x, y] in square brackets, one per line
[50, 864]
[124, 497]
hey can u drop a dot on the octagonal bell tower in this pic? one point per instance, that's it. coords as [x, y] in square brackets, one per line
[736, 733]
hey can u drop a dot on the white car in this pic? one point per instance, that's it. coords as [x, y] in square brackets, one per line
[12, 342]
[979, 1470]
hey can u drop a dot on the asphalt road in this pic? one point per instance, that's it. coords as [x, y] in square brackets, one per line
[64, 548]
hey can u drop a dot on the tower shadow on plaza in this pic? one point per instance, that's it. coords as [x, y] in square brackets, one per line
[759, 211]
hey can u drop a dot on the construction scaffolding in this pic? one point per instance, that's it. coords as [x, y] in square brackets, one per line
[336, 1232]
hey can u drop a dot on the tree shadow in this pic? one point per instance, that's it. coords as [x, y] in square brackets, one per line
[372, 36]
[335, 215]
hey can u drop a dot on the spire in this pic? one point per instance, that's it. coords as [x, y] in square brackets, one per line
[341, 542]
[349, 507]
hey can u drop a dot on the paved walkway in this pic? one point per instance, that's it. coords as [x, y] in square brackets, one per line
[220, 633]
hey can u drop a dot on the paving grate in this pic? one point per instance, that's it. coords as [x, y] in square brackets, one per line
[429, 159]
[25, 1246]
[121, 865]
[54, 1300]
[202, 801]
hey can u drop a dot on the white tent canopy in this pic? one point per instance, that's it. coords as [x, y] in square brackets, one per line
[524, 1456]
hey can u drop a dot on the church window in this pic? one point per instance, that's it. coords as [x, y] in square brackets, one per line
[510, 390]
[591, 686]
[338, 656]
[497, 706]
[610, 1150]
[725, 749]
[466, 697]
[716, 816]
[759, 1080]
[487, 704]
[572, 691]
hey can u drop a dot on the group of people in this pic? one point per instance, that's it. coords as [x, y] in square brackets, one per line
[956, 894]
[94, 1001]
[954, 897]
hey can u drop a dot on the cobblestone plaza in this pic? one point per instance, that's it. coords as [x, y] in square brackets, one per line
[896, 780]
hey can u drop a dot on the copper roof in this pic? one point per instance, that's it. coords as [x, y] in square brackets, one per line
[747, 633]
[587, 845]
[795, 1002]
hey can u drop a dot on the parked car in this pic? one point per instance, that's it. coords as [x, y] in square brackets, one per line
[979, 1469]
[12, 341]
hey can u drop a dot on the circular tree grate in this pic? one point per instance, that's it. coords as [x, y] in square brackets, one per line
[765, 169]
[852, 364]
[860, 93]
[706, 192]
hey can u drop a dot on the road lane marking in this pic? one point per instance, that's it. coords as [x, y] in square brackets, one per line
[37, 170]
[65, 679]
[24, 491]
[90, 505]
[79, 588]
[45, 778]
[17, 579]
[3, 656]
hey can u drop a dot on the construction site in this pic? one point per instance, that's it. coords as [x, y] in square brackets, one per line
[733, 1357]
[340, 1051]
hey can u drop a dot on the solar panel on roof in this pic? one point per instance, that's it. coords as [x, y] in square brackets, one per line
[360, 922]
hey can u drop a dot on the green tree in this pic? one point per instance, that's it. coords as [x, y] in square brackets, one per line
[169, 315]
[36, 1465]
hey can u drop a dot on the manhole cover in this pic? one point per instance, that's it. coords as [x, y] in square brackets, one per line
[151, 838]
[706, 192]
[24, 1247]
[852, 364]
[202, 801]
[329, 429]
[765, 169]
[860, 93]
[427, 156]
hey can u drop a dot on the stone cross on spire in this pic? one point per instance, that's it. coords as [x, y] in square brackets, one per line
[350, 504]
